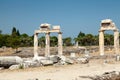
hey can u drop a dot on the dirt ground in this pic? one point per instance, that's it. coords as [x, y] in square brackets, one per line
[64, 72]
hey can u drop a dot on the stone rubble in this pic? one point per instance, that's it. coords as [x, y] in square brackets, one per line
[55, 60]
[1, 68]
[46, 62]
[83, 60]
[114, 75]
[21, 63]
[6, 61]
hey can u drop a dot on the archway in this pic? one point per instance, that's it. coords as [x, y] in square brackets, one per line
[107, 24]
[45, 28]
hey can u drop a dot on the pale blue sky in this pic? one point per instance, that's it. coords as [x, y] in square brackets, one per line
[72, 15]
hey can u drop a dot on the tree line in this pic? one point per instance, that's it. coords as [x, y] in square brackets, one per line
[15, 40]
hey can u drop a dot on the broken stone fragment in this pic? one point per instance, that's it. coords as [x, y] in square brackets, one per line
[31, 64]
[7, 61]
[54, 58]
[83, 60]
[46, 62]
[69, 61]
[62, 60]
[13, 67]
[118, 58]
[1, 68]
[114, 75]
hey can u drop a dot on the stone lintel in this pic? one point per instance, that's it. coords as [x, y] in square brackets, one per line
[47, 31]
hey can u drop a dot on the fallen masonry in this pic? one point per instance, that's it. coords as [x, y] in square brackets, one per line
[6, 61]
[15, 62]
[114, 75]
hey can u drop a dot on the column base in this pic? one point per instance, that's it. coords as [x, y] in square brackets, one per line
[35, 57]
[101, 54]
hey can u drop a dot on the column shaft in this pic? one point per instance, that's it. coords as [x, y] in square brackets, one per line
[60, 49]
[35, 45]
[101, 42]
[47, 45]
[116, 42]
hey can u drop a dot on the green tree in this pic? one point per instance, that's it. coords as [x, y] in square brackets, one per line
[86, 39]
[89, 40]
[15, 43]
[18, 33]
[53, 41]
[67, 41]
[108, 39]
[81, 34]
[96, 40]
[80, 38]
[24, 35]
[0, 31]
[3, 40]
[26, 40]
[14, 32]
[41, 41]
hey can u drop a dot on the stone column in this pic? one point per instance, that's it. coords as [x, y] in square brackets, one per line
[47, 44]
[60, 49]
[116, 41]
[35, 45]
[101, 42]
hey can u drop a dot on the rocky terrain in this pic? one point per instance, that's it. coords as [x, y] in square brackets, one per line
[86, 64]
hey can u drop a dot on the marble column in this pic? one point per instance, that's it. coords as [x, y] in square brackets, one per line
[101, 42]
[60, 49]
[47, 44]
[35, 45]
[116, 41]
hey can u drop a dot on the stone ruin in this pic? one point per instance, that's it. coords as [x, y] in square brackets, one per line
[113, 75]
[15, 62]
[45, 28]
[108, 24]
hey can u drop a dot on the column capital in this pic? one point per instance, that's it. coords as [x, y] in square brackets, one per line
[47, 33]
[116, 30]
[101, 30]
[59, 32]
[36, 33]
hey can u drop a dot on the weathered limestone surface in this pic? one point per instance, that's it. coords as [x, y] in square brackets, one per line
[116, 42]
[54, 58]
[60, 49]
[107, 24]
[47, 45]
[35, 45]
[7, 61]
[46, 62]
[83, 60]
[45, 28]
[114, 75]
[101, 42]
[12, 67]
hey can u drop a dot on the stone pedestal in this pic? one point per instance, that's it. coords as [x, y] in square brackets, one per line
[60, 49]
[47, 45]
[101, 42]
[72, 55]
